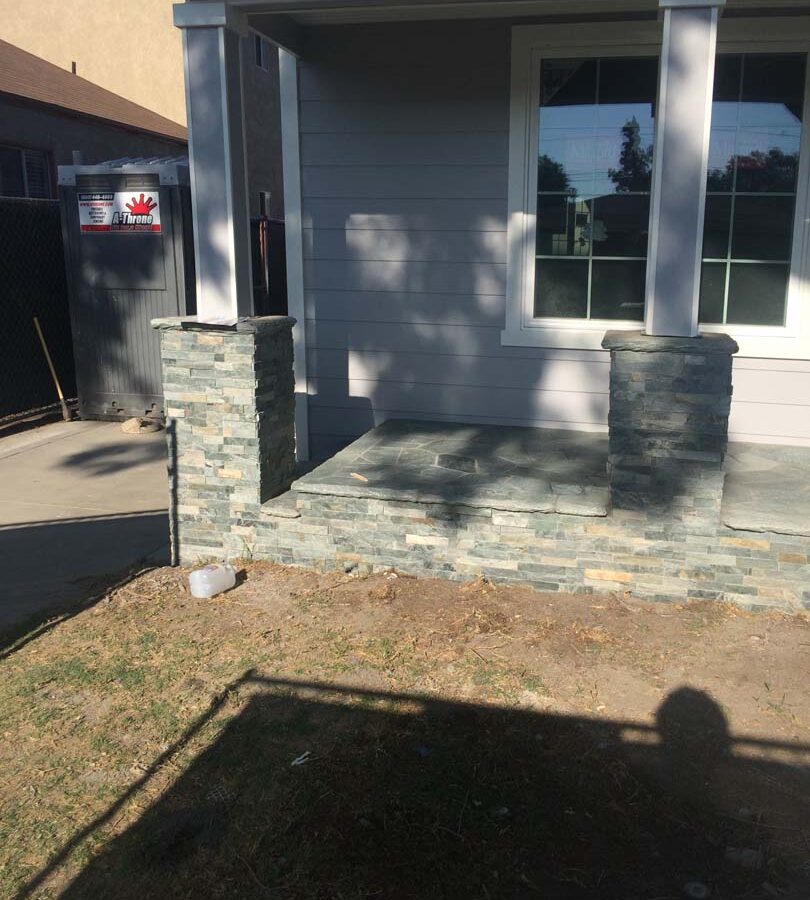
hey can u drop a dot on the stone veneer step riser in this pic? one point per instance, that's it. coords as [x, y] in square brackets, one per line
[667, 560]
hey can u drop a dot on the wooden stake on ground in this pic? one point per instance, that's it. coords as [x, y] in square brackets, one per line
[65, 410]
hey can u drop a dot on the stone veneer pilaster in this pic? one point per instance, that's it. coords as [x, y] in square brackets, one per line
[229, 396]
[670, 399]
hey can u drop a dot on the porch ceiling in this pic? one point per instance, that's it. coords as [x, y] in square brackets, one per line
[334, 12]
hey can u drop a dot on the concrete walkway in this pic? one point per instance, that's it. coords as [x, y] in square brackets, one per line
[78, 500]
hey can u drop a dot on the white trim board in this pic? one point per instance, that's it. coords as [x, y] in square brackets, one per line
[291, 164]
[195, 231]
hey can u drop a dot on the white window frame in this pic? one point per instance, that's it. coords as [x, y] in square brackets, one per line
[533, 43]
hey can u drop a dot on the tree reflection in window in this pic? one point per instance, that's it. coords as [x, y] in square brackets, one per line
[635, 160]
[751, 188]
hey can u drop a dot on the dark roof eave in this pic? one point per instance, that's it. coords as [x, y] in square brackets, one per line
[21, 100]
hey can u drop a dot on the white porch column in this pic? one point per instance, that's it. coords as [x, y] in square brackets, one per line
[683, 122]
[214, 104]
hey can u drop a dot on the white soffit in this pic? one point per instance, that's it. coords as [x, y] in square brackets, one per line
[337, 12]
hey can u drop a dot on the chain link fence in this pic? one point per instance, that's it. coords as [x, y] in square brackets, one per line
[32, 283]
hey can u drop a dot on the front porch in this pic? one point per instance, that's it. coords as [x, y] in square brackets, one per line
[658, 509]
[531, 506]
[540, 221]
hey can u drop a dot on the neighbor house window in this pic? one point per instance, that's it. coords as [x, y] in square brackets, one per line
[24, 173]
[594, 173]
[751, 189]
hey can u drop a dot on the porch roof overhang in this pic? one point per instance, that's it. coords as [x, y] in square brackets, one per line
[284, 22]
[334, 12]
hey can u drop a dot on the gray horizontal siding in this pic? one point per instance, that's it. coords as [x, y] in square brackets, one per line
[404, 337]
[771, 422]
[543, 374]
[447, 182]
[358, 416]
[471, 402]
[405, 246]
[420, 277]
[406, 213]
[790, 388]
[772, 365]
[400, 306]
[771, 400]
[404, 181]
[406, 117]
[335, 424]
[392, 83]
[462, 149]
[335, 427]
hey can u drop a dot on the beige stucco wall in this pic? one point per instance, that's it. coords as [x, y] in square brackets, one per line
[129, 47]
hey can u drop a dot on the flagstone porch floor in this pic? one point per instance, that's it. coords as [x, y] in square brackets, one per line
[767, 488]
[512, 469]
[534, 470]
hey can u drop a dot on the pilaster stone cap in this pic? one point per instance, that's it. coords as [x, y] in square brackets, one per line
[650, 343]
[250, 325]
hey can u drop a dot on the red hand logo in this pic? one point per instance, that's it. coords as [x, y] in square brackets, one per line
[141, 207]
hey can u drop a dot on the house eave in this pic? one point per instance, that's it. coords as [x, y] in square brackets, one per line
[333, 12]
[336, 12]
[178, 137]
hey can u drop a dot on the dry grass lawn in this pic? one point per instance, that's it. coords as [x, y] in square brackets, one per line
[322, 736]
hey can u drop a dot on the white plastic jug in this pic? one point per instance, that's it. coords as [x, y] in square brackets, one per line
[211, 580]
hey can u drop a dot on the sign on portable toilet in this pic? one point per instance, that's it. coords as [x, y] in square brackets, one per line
[119, 211]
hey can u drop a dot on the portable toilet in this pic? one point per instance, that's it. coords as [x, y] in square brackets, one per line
[129, 256]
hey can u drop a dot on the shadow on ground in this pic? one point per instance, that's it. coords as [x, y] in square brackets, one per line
[312, 791]
[54, 569]
[115, 457]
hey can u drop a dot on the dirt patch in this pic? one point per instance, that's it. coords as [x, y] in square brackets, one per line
[314, 736]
